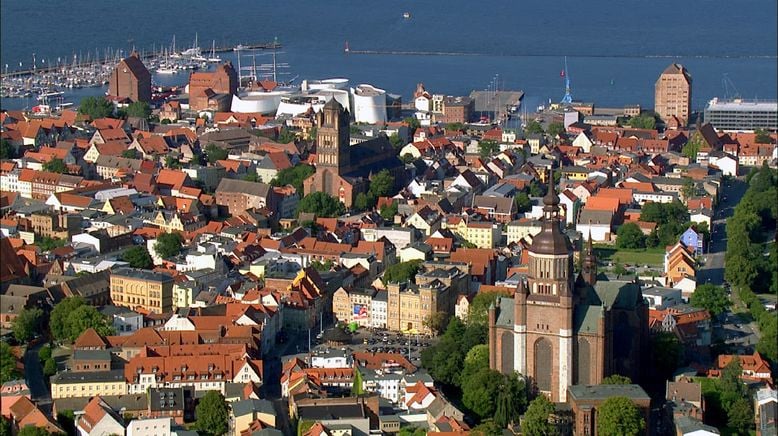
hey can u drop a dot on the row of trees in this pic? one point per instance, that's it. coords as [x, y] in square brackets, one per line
[751, 262]
[99, 107]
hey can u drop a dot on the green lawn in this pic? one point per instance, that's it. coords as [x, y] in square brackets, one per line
[648, 256]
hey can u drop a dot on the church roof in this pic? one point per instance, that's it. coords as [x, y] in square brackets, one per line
[505, 312]
[551, 240]
[606, 295]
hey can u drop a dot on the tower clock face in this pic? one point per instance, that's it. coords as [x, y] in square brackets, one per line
[125, 70]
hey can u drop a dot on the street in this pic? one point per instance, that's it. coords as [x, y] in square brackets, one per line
[33, 374]
[713, 269]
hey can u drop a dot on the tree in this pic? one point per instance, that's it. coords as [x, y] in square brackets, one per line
[396, 141]
[488, 147]
[58, 318]
[556, 128]
[536, 420]
[8, 370]
[214, 153]
[643, 121]
[630, 236]
[171, 162]
[138, 257]
[401, 272]
[44, 353]
[665, 353]
[479, 308]
[741, 416]
[130, 154]
[321, 204]
[479, 392]
[322, 266]
[533, 127]
[436, 322]
[293, 176]
[388, 211]
[619, 269]
[7, 150]
[361, 202]
[139, 109]
[49, 367]
[357, 386]
[32, 430]
[511, 400]
[252, 177]
[96, 107]
[487, 428]
[55, 165]
[688, 189]
[71, 317]
[712, 298]
[66, 420]
[618, 415]
[382, 184]
[211, 413]
[523, 203]
[762, 137]
[5, 427]
[692, 147]
[27, 324]
[47, 244]
[86, 317]
[616, 379]
[412, 431]
[412, 123]
[286, 136]
[168, 244]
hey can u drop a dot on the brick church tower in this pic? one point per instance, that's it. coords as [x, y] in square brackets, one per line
[543, 310]
[332, 138]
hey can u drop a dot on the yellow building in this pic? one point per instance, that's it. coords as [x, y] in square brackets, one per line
[481, 234]
[523, 228]
[140, 289]
[70, 384]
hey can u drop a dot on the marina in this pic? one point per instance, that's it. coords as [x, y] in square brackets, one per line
[46, 82]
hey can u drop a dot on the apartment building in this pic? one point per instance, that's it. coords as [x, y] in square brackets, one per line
[141, 289]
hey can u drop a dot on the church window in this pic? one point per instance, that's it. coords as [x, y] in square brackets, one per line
[583, 360]
[543, 364]
[506, 353]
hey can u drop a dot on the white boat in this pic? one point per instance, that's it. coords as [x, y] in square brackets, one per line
[166, 70]
[47, 95]
[407, 15]
[213, 57]
[239, 47]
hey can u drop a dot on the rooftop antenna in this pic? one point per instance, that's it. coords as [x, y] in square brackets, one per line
[568, 98]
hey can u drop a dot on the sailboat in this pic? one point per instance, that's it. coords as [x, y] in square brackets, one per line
[213, 57]
[193, 52]
[173, 53]
[166, 68]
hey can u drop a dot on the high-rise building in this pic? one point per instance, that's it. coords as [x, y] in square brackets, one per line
[673, 93]
[560, 329]
[742, 115]
[130, 79]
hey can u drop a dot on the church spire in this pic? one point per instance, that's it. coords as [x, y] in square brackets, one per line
[589, 270]
[551, 200]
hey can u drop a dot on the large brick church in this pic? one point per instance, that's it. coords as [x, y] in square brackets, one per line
[344, 170]
[561, 330]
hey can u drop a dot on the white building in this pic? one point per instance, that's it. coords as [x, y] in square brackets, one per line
[378, 308]
[369, 104]
[150, 427]
[331, 359]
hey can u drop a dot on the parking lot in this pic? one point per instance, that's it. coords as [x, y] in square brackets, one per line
[382, 341]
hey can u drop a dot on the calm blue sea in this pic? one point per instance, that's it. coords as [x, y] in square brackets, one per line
[615, 50]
